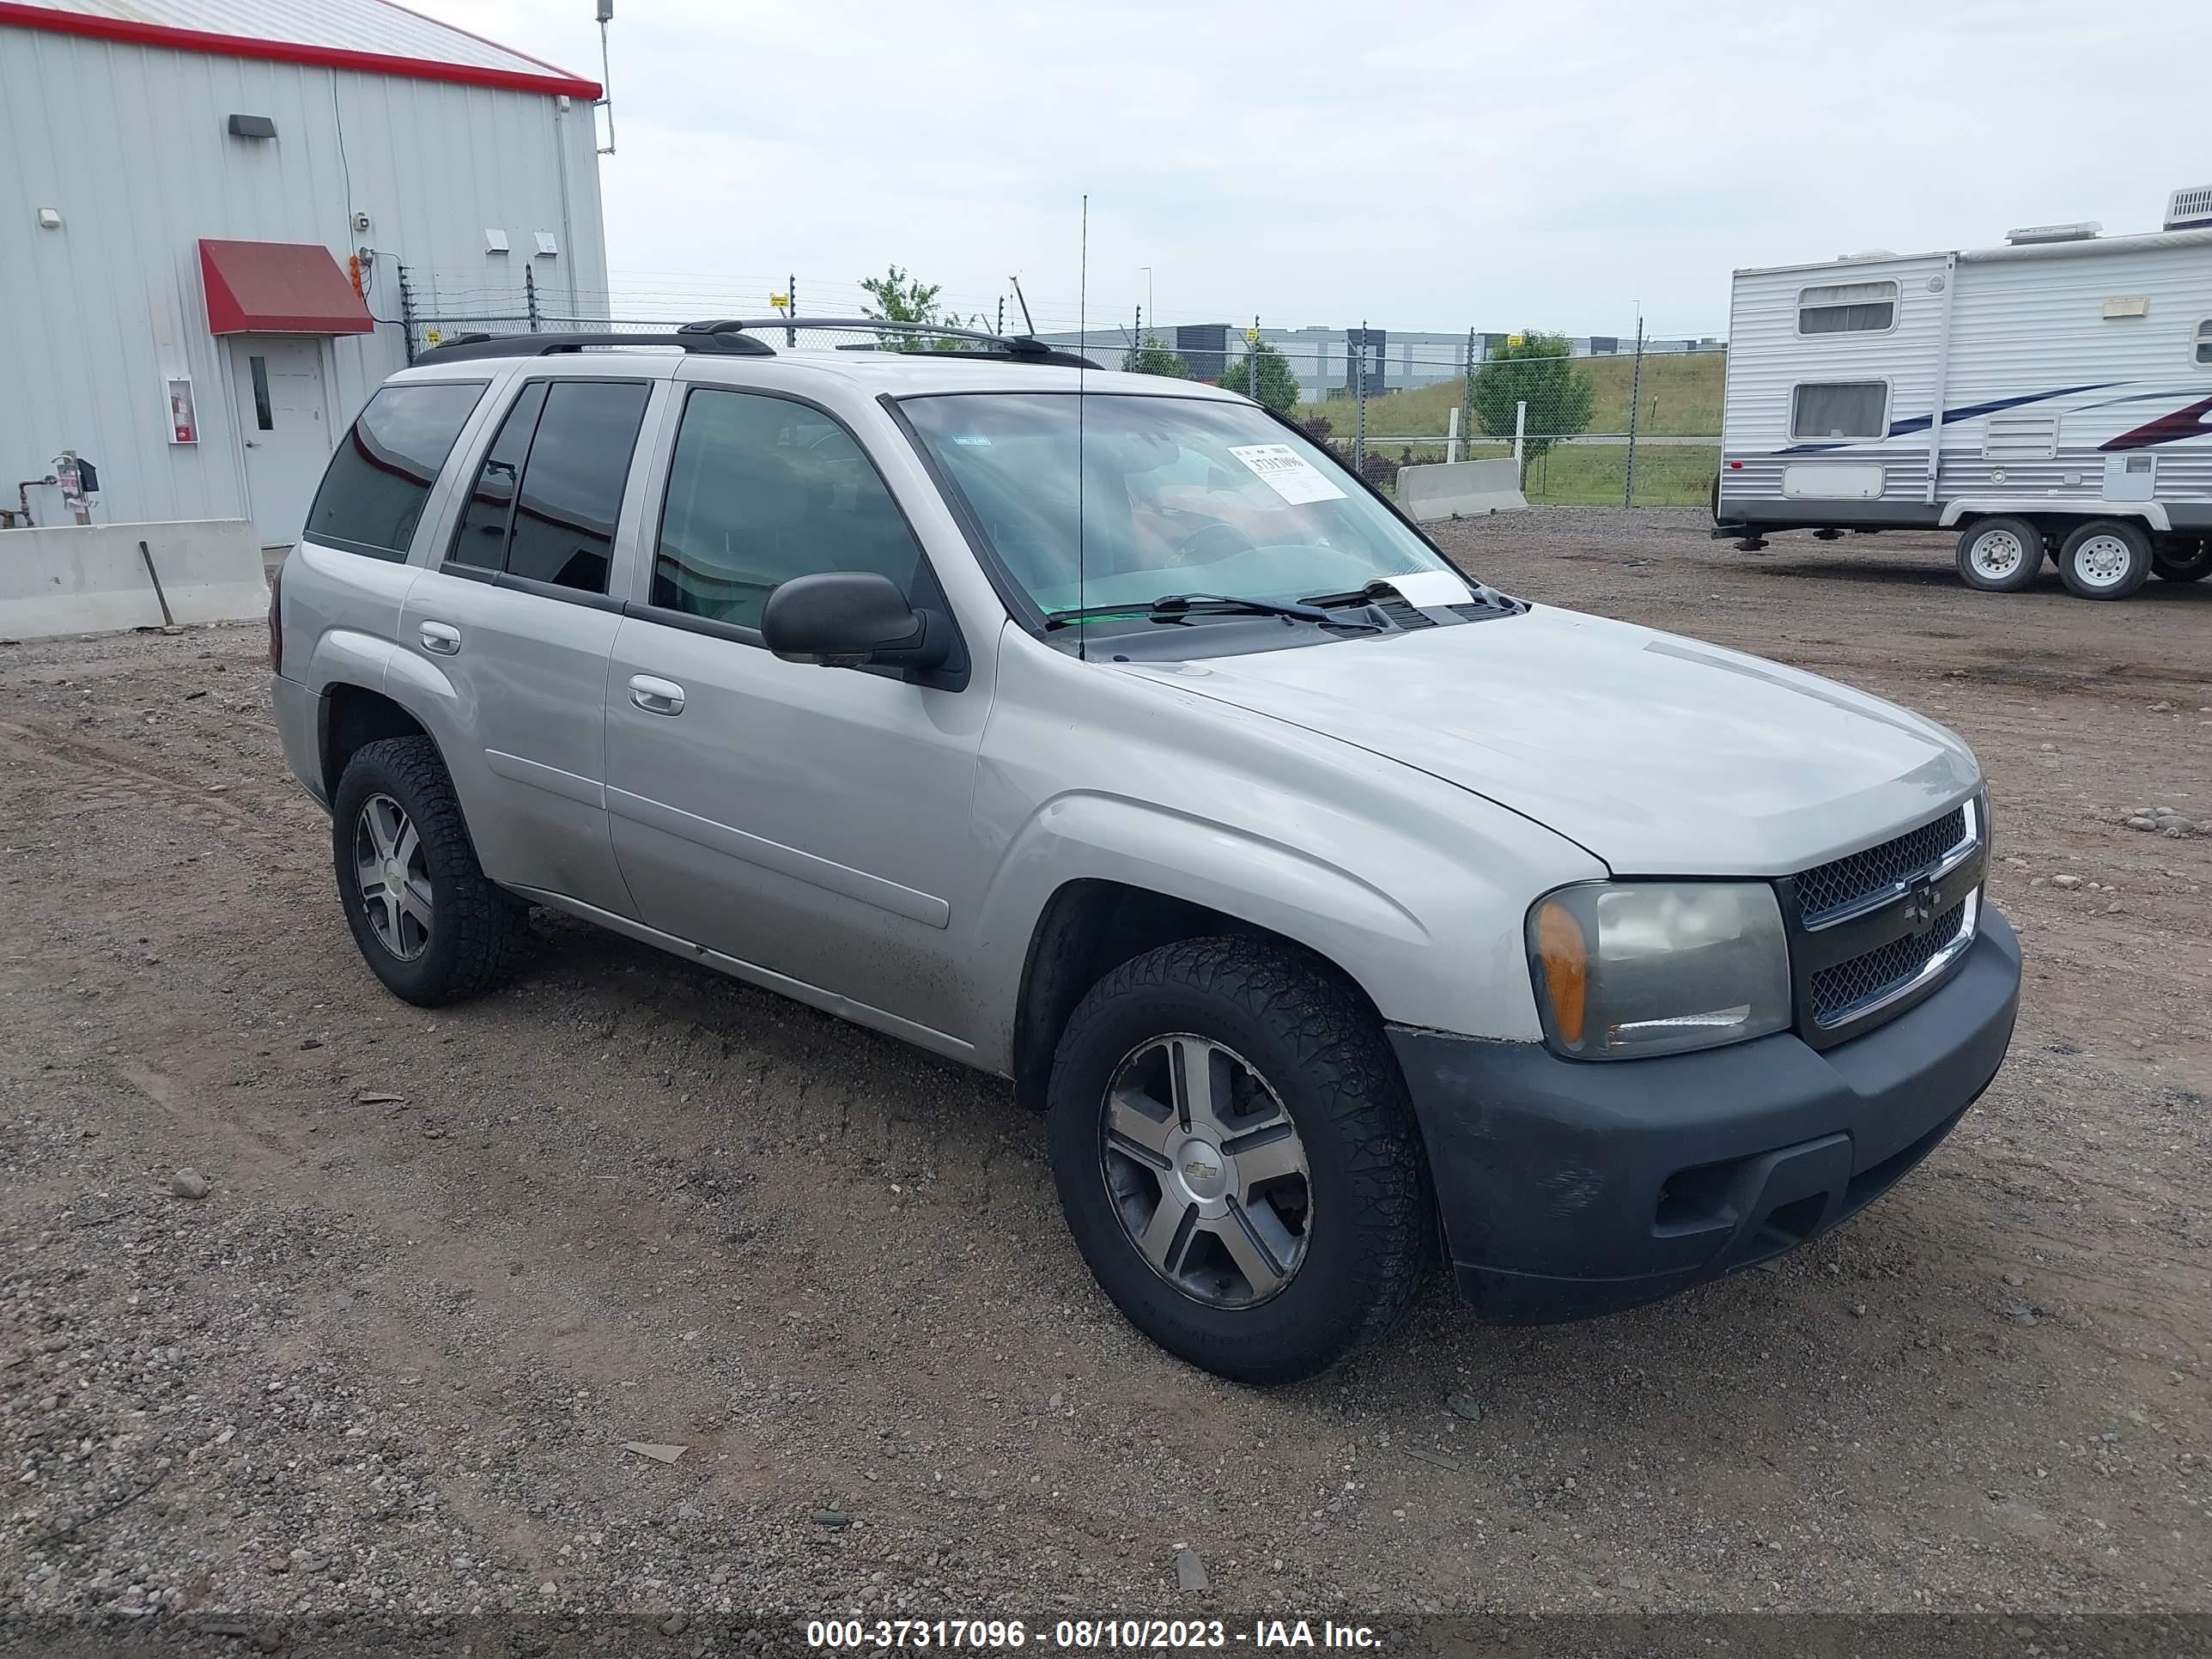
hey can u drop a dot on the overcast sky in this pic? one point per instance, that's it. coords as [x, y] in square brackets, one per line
[1441, 166]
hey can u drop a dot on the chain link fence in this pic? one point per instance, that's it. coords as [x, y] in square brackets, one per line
[1602, 421]
[1625, 429]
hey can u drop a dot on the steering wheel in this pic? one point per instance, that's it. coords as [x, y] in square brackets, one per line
[1199, 547]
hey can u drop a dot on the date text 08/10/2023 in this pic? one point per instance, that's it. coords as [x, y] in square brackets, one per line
[1086, 1635]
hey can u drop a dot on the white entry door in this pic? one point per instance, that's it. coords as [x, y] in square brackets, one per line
[282, 415]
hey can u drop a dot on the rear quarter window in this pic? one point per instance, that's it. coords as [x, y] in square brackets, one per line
[373, 495]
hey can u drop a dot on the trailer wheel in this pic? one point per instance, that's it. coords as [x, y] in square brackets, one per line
[2105, 559]
[2182, 561]
[2000, 556]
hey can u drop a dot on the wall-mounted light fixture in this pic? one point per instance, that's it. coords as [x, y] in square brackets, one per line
[253, 126]
[495, 240]
[50, 218]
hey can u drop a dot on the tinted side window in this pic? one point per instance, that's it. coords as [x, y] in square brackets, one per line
[762, 489]
[373, 495]
[571, 488]
[482, 537]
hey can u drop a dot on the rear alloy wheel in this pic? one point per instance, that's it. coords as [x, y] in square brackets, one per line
[2182, 561]
[2000, 556]
[2105, 559]
[1237, 1157]
[428, 923]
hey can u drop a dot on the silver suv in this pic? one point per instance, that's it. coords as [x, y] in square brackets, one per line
[1102, 732]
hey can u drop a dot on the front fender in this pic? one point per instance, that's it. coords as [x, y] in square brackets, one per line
[1435, 942]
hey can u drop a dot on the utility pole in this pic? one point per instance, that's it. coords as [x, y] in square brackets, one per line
[1360, 398]
[791, 296]
[1466, 398]
[530, 295]
[1634, 402]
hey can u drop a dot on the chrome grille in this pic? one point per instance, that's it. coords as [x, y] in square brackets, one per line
[1836, 886]
[1837, 991]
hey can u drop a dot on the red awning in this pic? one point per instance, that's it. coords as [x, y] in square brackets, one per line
[279, 288]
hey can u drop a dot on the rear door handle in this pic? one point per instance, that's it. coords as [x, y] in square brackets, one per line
[441, 639]
[656, 696]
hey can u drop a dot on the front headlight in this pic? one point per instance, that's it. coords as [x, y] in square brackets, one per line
[1628, 968]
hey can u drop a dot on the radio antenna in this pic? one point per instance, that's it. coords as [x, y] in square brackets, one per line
[1028, 327]
[1083, 354]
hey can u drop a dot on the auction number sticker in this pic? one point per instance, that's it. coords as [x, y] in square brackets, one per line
[1286, 473]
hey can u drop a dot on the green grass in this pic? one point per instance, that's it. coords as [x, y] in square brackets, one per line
[1682, 395]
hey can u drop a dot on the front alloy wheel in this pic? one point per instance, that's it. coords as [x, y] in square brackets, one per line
[1238, 1158]
[394, 877]
[1206, 1170]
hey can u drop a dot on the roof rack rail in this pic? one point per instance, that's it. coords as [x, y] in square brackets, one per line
[740, 336]
[723, 337]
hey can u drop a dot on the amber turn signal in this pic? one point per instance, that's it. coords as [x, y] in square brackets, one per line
[1565, 958]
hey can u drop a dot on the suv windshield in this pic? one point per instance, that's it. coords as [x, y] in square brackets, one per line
[1178, 495]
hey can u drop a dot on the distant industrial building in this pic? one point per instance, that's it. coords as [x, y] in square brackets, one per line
[205, 206]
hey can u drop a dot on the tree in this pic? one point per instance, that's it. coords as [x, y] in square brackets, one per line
[901, 298]
[1155, 356]
[1537, 369]
[1279, 386]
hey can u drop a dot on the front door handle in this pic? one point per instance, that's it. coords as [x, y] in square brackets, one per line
[656, 696]
[441, 639]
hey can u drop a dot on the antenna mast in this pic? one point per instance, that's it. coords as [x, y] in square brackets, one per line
[1083, 334]
[607, 79]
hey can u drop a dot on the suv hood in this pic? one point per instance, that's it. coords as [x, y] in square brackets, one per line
[1660, 755]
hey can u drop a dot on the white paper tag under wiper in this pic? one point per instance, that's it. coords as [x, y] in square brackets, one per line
[1286, 473]
[1427, 589]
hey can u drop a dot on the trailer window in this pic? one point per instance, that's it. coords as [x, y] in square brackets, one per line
[2205, 340]
[1846, 409]
[1847, 308]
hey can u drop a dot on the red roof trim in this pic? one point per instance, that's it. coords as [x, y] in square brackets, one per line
[289, 51]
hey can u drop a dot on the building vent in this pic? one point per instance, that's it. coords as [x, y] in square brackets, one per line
[2080, 232]
[2190, 210]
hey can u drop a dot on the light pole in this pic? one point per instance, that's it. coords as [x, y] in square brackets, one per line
[1149, 311]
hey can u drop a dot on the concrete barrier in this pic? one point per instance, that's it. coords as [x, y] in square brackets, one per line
[1460, 489]
[91, 578]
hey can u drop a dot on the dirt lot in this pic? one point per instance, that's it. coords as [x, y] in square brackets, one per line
[450, 1264]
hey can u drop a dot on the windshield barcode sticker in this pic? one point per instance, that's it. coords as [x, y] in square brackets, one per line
[1286, 473]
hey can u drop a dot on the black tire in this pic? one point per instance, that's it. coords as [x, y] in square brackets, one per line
[2105, 559]
[1313, 1041]
[478, 932]
[2001, 555]
[2182, 561]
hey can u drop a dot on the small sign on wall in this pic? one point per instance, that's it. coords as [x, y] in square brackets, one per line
[183, 419]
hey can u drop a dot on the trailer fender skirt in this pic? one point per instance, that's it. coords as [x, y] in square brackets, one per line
[2153, 514]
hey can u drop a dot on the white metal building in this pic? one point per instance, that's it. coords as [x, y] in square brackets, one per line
[188, 189]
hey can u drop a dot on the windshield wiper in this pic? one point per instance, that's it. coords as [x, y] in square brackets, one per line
[1174, 607]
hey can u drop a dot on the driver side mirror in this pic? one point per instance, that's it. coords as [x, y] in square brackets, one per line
[853, 619]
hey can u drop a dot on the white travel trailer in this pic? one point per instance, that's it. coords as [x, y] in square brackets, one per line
[2050, 397]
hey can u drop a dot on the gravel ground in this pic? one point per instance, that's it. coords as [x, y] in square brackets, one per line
[450, 1270]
